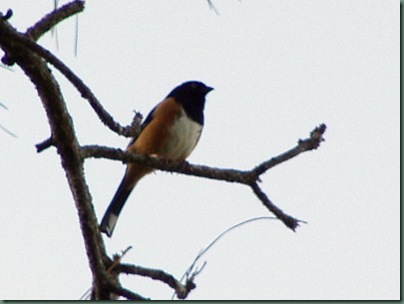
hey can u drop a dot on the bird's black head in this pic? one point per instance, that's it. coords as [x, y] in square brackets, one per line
[191, 95]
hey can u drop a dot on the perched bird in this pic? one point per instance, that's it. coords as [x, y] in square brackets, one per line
[171, 130]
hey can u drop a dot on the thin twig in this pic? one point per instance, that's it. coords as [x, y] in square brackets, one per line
[311, 143]
[8, 131]
[3, 106]
[192, 271]
[212, 7]
[44, 145]
[7, 15]
[222, 234]
[76, 36]
[289, 221]
[118, 258]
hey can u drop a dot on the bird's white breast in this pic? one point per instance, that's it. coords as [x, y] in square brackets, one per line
[183, 137]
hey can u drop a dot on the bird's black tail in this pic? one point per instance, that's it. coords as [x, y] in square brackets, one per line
[114, 209]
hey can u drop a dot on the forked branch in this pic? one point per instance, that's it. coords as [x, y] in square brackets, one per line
[246, 177]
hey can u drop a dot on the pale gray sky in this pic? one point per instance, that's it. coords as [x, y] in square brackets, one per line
[279, 69]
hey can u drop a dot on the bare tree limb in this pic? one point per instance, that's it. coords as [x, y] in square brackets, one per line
[250, 177]
[65, 140]
[311, 143]
[182, 290]
[53, 18]
[229, 175]
[135, 126]
[288, 220]
[85, 91]
[247, 177]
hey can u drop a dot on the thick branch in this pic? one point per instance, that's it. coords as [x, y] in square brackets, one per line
[229, 175]
[65, 140]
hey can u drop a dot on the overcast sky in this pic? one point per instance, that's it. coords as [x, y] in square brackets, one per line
[279, 68]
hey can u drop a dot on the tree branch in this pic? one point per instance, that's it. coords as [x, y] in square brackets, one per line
[181, 290]
[311, 143]
[249, 177]
[67, 145]
[44, 144]
[229, 175]
[288, 220]
[53, 18]
[25, 42]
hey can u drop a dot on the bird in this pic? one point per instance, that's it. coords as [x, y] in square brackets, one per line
[171, 130]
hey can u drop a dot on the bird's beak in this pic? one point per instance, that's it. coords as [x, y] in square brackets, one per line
[208, 89]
